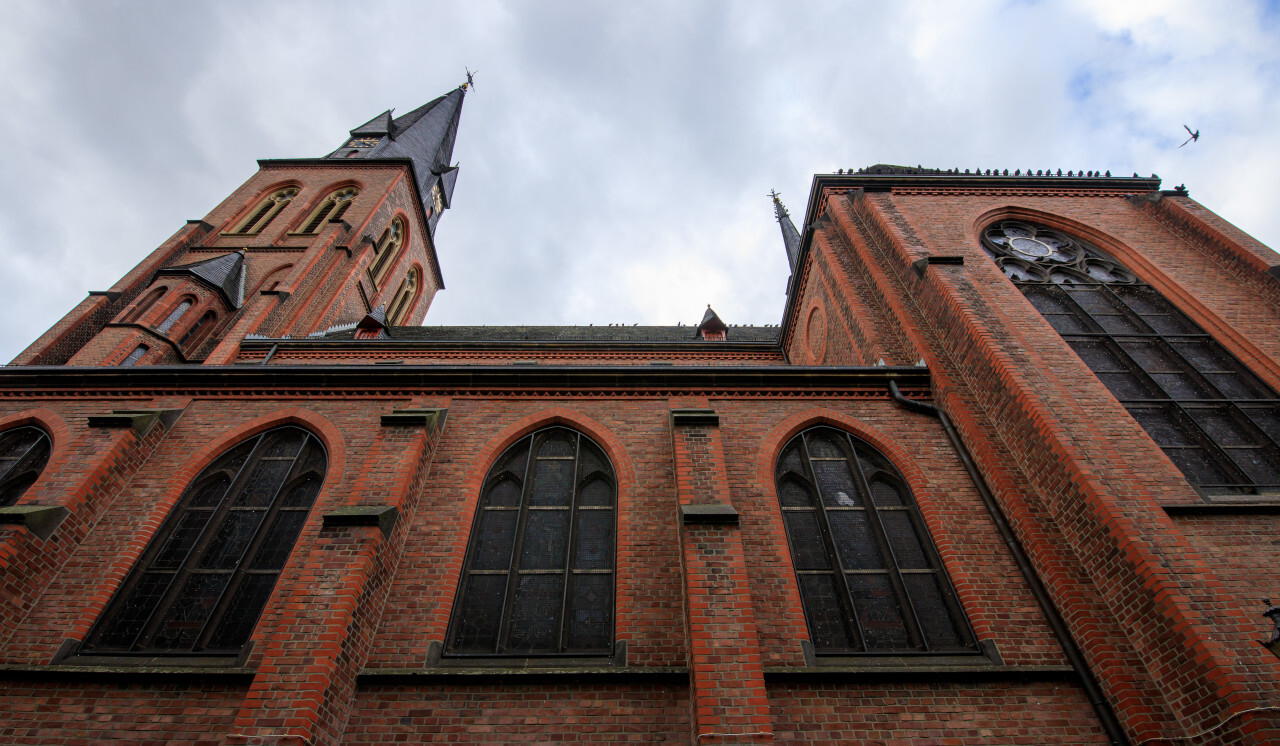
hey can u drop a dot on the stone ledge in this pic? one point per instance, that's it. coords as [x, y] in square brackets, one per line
[382, 516]
[41, 520]
[922, 671]
[1242, 507]
[129, 674]
[714, 514]
[428, 418]
[695, 418]
[453, 676]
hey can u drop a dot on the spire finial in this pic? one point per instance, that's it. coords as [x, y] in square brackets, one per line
[790, 236]
[471, 79]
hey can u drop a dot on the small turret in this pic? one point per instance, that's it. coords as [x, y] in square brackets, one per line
[790, 236]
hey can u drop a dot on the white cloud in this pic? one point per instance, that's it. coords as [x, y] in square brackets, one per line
[615, 157]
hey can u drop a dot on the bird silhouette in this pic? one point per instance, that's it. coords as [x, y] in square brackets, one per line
[1194, 135]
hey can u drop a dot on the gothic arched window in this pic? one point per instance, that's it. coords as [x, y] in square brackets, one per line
[403, 301]
[23, 453]
[538, 578]
[207, 574]
[196, 334]
[870, 579]
[266, 211]
[330, 209]
[1217, 421]
[174, 315]
[386, 250]
[143, 305]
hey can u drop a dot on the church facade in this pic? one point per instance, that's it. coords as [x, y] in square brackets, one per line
[1007, 471]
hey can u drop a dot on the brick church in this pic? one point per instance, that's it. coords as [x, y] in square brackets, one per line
[1006, 472]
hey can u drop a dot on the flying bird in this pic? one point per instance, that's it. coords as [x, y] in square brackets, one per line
[1194, 135]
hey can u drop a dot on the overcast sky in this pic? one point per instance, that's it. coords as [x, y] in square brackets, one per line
[615, 156]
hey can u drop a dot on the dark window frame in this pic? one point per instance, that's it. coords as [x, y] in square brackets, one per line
[1215, 419]
[21, 470]
[850, 620]
[523, 454]
[180, 558]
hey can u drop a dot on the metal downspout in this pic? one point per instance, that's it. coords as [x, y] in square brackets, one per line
[1074, 657]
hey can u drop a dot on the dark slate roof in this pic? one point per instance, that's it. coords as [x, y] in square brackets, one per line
[888, 169]
[425, 136]
[222, 273]
[664, 334]
[712, 322]
[790, 236]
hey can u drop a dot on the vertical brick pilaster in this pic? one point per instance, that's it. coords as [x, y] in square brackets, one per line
[304, 690]
[729, 702]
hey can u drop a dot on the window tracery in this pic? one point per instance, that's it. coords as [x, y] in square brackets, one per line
[386, 250]
[266, 211]
[538, 578]
[403, 301]
[1216, 420]
[870, 579]
[208, 572]
[330, 210]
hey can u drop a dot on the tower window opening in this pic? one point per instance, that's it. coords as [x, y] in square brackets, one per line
[385, 251]
[173, 316]
[1217, 421]
[402, 305]
[330, 210]
[266, 211]
[134, 356]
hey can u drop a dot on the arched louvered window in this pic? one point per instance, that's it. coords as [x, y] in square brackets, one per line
[207, 574]
[23, 453]
[538, 579]
[403, 302]
[174, 315]
[1215, 419]
[869, 576]
[386, 250]
[266, 211]
[330, 210]
[143, 305]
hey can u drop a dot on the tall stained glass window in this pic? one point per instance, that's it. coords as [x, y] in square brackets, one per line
[1215, 419]
[869, 576]
[206, 576]
[539, 571]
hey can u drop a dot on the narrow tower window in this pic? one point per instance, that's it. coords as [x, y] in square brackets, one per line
[870, 579]
[1217, 421]
[196, 334]
[330, 210]
[404, 297]
[538, 578]
[134, 356]
[266, 211]
[23, 453]
[207, 574]
[173, 316]
[385, 251]
[143, 305]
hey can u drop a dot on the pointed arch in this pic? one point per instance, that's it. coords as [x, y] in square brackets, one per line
[387, 249]
[265, 211]
[198, 331]
[869, 576]
[24, 453]
[207, 574]
[406, 297]
[329, 210]
[143, 305]
[539, 572]
[176, 313]
[1215, 419]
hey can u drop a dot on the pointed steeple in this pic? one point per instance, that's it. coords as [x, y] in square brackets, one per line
[790, 236]
[711, 327]
[425, 136]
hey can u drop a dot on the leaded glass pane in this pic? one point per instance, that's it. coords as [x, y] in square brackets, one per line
[1164, 377]
[202, 565]
[853, 557]
[557, 597]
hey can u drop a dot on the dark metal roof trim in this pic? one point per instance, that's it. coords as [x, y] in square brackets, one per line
[568, 377]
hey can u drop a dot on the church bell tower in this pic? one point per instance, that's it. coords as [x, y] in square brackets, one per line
[303, 246]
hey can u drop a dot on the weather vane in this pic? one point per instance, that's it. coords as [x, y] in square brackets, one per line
[471, 79]
[774, 193]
